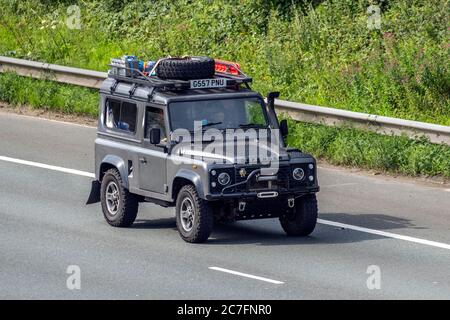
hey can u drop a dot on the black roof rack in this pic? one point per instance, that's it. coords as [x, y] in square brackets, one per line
[138, 78]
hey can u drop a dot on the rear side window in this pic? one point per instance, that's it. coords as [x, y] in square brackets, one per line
[121, 115]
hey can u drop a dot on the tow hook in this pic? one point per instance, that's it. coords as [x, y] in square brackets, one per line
[291, 202]
[241, 206]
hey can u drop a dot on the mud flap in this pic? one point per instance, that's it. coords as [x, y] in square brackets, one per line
[94, 196]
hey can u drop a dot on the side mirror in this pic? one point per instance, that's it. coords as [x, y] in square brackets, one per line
[284, 128]
[155, 136]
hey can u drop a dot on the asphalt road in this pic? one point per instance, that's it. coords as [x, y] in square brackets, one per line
[45, 227]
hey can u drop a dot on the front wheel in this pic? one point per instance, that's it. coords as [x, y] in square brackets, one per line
[302, 219]
[120, 207]
[194, 216]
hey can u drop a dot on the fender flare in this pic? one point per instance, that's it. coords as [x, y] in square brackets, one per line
[119, 163]
[192, 177]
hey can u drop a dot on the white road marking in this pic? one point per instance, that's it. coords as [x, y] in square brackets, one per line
[48, 167]
[246, 275]
[321, 221]
[385, 234]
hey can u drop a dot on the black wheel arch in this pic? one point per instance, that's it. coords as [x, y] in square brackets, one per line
[113, 162]
[184, 177]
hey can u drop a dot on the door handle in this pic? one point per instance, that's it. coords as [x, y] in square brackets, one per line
[143, 160]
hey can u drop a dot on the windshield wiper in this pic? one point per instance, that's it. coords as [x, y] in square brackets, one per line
[211, 124]
[252, 125]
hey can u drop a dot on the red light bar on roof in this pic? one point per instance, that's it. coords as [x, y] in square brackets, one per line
[227, 67]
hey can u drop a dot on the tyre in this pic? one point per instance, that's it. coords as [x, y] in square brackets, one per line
[302, 220]
[186, 68]
[119, 206]
[194, 216]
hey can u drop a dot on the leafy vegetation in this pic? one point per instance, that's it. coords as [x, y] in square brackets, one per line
[358, 148]
[318, 52]
[46, 94]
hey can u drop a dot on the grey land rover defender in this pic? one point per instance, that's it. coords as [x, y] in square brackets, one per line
[140, 154]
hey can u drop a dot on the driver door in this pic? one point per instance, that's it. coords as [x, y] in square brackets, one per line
[152, 159]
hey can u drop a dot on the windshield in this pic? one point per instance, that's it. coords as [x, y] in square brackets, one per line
[220, 114]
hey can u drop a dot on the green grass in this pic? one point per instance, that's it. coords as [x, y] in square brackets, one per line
[47, 94]
[321, 54]
[363, 149]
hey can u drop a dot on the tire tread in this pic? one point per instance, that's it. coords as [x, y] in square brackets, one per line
[204, 226]
[130, 203]
[305, 218]
[186, 69]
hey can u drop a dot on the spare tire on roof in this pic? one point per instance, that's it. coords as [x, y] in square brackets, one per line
[186, 68]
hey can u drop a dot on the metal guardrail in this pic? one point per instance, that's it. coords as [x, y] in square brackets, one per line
[297, 111]
[380, 124]
[40, 70]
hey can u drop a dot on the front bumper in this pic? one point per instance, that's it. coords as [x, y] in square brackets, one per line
[247, 206]
[282, 194]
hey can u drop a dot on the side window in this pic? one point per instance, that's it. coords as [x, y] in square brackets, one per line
[154, 118]
[128, 116]
[121, 115]
[112, 114]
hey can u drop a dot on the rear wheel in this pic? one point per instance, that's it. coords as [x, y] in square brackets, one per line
[302, 220]
[119, 206]
[194, 216]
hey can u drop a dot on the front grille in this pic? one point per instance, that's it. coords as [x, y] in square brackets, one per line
[281, 183]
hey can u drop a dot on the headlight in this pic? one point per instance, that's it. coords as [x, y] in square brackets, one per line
[224, 178]
[298, 174]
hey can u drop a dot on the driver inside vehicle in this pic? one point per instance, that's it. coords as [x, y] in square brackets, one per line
[222, 113]
[155, 119]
